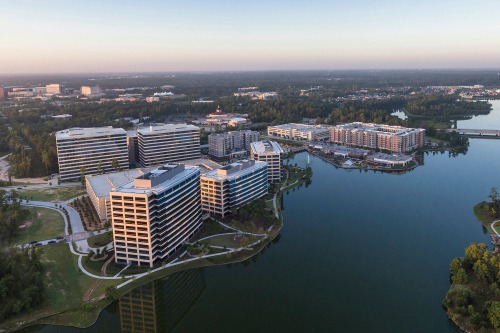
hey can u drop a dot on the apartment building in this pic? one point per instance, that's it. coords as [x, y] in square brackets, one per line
[225, 145]
[165, 143]
[396, 139]
[91, 150]
[301, 132]
[232, 186]
[153, 215]
[271, 153]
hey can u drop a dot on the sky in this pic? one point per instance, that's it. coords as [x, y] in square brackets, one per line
[90, 36]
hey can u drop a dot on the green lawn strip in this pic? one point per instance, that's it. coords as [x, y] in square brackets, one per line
[100, 240]
[53, 194]
[224, 240]
[45, 224]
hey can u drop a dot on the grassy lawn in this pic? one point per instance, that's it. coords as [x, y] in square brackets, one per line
[224, 240]
[53, 194]
[65, 283]
[100, 240]
[45, 224]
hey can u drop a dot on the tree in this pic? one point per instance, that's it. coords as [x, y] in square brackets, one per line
[494, 314]
[83, 170]
[110, 291]
[494, 194]
[46, 160]
[114, 164]
[100, 169]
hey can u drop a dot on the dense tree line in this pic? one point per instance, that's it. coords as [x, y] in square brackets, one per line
[12, 215]
[21, 282]
[474, 296]
[445, 106]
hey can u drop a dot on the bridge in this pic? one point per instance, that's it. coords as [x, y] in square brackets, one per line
[477, 133]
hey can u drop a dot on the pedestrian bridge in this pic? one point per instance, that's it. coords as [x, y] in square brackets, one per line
[486, 133]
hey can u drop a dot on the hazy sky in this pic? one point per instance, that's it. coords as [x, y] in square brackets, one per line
[103, 36]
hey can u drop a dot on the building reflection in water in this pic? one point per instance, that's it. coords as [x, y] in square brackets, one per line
[160, 305]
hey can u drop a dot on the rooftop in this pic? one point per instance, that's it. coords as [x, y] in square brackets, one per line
[235, 170]
[266, 146]
[73, 133]
[103, 184]
[370, 127]
[302, 127]
[158, 180]
[165, 128]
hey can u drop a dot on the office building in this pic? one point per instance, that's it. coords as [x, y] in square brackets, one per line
[300, 132]
[166, 143]
[55, 89]
[89, 91]
[3, 93]
[99, 186]
[154, 214]
[231, 144]
[271, 153]
[395, 139]
[91, 150]
[232, 186]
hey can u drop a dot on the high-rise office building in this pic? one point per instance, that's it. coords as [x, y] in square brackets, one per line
[166, 143]
[232, 186]
[271, 153]
[154, 214]
[91, 151]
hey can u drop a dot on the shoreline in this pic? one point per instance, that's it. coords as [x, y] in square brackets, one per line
[341, 166]
[87, 312]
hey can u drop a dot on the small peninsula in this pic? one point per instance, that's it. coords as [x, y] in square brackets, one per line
[473, 301]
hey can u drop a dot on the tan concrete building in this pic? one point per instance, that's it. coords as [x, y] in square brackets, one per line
[153, 215]
[232, 186]
[271, 153]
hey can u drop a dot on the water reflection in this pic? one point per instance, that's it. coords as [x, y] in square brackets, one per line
[161, 304]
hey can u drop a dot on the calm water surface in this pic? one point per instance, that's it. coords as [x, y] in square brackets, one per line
[359, 252]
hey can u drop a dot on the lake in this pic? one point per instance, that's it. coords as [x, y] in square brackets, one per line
[358, 252]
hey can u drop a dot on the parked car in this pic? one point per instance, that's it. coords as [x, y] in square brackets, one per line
[33, 242]
[60, 237]
[38, 244]
[52, 242]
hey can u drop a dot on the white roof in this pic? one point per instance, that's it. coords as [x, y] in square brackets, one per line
[266, 146]
[244, 168]
[76, 132]
[103, 184]
[165, 128]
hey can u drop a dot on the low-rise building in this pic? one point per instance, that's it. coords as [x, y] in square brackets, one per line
[271, 153]
[153, 215]
[301, 132]
[232, 186]
[55, 89]
[99, 186]
[91, 91]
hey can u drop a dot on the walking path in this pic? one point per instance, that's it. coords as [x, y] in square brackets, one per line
[493, 227]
